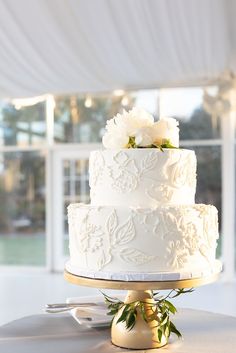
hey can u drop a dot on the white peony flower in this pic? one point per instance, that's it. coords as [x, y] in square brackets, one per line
[125, 125]
[136, 128]
[140, 118]
[166, 129]
[144, 136]
[113, 141]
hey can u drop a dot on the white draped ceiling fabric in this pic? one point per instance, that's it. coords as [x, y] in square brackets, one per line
[79, 46]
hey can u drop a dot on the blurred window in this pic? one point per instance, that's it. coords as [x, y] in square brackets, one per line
[22, 126]
[187, 105]
[79, 121]
[22, 208]
[76, 121]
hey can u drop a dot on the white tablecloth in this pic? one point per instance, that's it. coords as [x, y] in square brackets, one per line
[203, 332]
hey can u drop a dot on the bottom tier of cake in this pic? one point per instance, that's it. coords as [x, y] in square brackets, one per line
[120, 240]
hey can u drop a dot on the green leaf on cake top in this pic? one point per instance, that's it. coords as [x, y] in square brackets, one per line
[137, 129]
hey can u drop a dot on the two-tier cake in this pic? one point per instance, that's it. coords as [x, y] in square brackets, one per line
[142, 223]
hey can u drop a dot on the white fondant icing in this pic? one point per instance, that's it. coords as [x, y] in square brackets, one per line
[162, 239]
[142, 223]
[142, 177]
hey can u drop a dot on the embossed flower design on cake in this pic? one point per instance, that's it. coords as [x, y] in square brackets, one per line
[189, 231]
[192, 243]
[187, 227]
[184, 172]
[170, 225]
[118, 237]
[177, 254]
[162, 191]
[91, 236]
[97, 164]
[210, 228]
[126, 182]
[124, 174]
[145, 216]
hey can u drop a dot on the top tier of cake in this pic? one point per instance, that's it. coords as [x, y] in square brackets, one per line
[145, 177]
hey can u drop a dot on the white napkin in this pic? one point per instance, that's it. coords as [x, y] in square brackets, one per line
[90, 316]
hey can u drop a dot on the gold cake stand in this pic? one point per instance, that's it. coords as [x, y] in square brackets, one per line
[143, 335]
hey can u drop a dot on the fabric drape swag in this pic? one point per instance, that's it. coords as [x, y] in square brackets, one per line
[66, 46]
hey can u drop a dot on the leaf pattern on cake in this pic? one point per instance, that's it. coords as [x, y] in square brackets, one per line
[135, 256]
[97, 164]
[149, 162]
[176, 232]
[183, 172]
[124, 173]
[210, 228]
[125, 233]
[111, 222]
[91, 240]
[189, 230]
[103, 260]
[121, 158]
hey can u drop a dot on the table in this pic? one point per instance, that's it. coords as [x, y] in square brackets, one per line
[203, 332]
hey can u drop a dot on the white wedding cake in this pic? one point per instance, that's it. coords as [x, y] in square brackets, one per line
[142, 223]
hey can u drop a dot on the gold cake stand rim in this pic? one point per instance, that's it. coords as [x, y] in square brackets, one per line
[139, 285]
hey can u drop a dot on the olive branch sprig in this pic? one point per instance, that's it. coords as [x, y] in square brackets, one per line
[160, 311]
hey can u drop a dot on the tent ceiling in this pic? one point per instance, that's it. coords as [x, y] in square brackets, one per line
[65, 46]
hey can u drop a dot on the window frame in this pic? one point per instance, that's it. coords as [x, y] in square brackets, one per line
[227, 143]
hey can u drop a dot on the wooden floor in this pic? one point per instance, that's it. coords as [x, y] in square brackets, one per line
[26, 294]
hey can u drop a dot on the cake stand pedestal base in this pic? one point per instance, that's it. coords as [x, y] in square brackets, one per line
[143, 335]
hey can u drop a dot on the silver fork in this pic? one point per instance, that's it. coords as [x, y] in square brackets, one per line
[63, 307]
[57, 311]
[66, 305]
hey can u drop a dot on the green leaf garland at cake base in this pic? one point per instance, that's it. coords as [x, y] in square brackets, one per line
[153, 312]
